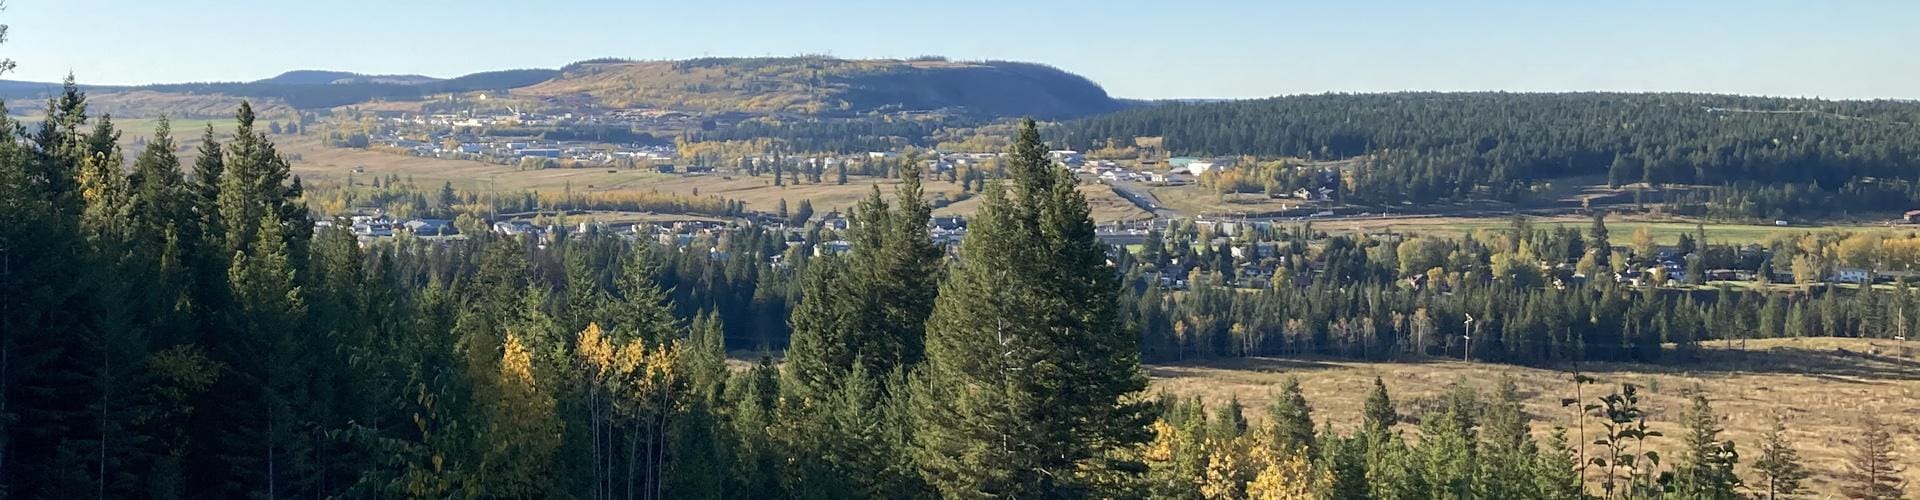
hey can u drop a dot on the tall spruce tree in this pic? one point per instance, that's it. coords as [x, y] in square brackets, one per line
[1508, 451]
[1779, 464]
[1031, 382]
[1289, 422]
[1871, 471]
[1378, 414]
[1705, 469]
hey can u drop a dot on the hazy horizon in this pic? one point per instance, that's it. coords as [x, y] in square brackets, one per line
[1205, 49]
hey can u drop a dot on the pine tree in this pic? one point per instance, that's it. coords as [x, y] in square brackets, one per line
[1290, 422]
[1508, 450]
[1872, 472]
[1779, 464]
[1378, 414]
[40, 247]
[1031, 381]
[706, 358]
[1448, 459]
[1346, 461]
[1556, 471]
[758, 462]
[163, 218]
[818, 353]
[263, 352]
[1705, 469]
[1230, 421]
[802, 214]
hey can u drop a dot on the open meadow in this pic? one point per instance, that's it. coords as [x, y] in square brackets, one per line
[316, 163]
[1820, 386]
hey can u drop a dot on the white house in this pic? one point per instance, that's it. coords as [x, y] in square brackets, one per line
[1067, 156]
[1849, 275]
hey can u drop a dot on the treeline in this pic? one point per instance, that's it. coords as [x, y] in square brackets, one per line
[1523, 295]
[402, 197]
[616, 134]
[1447, 146]
[838, 135]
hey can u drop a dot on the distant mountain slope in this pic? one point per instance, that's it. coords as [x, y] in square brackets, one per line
[817, 86]
[317, 77]
[307, 89]
[823, 85]
[490, 80]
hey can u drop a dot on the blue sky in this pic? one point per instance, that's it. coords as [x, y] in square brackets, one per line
[1141, 49]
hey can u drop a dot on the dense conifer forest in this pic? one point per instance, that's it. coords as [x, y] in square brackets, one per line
[1763, 153]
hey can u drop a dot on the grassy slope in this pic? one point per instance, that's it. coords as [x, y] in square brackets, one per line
[1819, 390]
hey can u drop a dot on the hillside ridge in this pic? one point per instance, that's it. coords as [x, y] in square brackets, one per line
[810, 85]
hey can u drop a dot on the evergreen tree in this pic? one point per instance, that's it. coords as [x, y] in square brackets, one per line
[268, 374]
[1705, 469]
[1871, 471]
[1345, 460]
[1556, 471]
[1448, 454]
[1031, 382]
[1378, 414]
[756, 469]
[1779, 464]
[1290, 422]
[39, 294]
[818, 354]
[1508, 450]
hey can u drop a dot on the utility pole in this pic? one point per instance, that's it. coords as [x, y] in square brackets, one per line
[1468, 351]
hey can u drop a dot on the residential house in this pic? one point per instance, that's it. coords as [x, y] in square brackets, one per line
[373, 227]
[430, 227]
[835, 247]
[1849, 275]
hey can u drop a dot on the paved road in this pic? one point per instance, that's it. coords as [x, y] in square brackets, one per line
[1141, 196]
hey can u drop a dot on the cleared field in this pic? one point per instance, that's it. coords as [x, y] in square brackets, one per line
[1191, 199]
[315, 162]
[1821, 386]
[1105, 205]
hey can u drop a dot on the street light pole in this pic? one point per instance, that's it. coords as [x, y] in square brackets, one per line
[1468, 351]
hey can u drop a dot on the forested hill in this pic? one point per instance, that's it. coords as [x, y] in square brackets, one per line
[815, 86]
[825, 85]
[307, 89]
[1449, 144]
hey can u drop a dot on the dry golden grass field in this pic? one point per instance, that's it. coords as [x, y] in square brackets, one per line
[317, 163]
[1821, 386]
